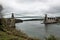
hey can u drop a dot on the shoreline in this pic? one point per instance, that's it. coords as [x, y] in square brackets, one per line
[8, 33]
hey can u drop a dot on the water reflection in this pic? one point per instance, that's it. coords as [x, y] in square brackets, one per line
[46, 28]
[52, 29]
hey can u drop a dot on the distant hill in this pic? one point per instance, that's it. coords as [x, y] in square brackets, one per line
[33, 20]
[30, 17]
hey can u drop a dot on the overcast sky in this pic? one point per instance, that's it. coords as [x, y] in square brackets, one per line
[31, 7]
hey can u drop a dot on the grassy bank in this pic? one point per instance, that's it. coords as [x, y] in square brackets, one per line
[7, 33]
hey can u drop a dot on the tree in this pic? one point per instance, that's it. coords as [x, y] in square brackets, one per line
[1, 8]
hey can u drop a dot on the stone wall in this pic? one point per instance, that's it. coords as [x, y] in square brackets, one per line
[8, 22]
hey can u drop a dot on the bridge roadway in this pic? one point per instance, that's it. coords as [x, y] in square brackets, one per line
[28, 17]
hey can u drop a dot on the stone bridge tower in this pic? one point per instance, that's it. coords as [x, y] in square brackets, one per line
[45, 19]
[12, 21]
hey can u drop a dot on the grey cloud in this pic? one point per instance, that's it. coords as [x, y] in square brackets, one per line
[32, 0]
[54, 9]
[7, 10]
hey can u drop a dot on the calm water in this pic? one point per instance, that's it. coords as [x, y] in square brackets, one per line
[36, 29]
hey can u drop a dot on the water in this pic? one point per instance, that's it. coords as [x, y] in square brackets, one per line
[36, 29]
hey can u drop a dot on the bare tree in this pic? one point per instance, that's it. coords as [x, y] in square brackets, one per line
[1, 8]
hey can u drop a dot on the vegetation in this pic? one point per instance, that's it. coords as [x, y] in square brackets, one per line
[51, 37]
[7, 33]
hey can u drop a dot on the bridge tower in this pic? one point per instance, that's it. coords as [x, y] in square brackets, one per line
[12, 21]
[45, 19]
[12, 15]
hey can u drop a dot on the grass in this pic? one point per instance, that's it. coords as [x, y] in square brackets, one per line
[51, 37]
[5, 36]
